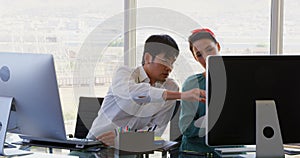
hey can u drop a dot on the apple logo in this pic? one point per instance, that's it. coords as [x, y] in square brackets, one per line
[4, 73]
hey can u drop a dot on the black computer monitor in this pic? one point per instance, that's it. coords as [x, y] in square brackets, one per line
[234, 83]
[31, 80]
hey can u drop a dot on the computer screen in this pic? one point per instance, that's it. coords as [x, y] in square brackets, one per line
[31, 80]
[234, 83]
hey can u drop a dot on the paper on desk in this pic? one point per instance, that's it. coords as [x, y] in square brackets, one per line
[158, 140]
[293, 146]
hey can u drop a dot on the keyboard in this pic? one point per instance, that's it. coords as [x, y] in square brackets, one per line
[235, 150]
[74, 141]
[81, 140]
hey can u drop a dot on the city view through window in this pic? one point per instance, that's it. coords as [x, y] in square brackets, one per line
[62, 27]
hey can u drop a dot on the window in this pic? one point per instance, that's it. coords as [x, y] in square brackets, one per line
[291, 27]
[62, 27]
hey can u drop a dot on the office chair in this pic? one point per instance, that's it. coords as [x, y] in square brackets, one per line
[87, 111]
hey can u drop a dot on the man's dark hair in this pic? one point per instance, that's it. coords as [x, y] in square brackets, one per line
[157, 44]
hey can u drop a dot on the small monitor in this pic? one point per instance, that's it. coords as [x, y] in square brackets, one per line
[234, 83]
[31, 80]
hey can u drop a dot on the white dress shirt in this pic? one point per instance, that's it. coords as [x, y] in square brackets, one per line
[131, 101]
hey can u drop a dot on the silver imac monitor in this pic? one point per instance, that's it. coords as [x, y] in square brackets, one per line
[31, 80]
[235, 83]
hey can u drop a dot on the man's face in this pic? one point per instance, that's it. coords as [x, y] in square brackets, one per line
[159, 68]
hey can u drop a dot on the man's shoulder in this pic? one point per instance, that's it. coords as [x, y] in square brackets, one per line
[171, 82]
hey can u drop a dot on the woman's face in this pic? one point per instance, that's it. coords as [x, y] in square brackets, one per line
[203, 48]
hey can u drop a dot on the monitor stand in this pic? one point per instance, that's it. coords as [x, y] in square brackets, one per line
[5, 108]
[268, 135]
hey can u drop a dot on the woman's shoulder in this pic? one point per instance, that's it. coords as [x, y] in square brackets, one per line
[195, 77]
[193, 80]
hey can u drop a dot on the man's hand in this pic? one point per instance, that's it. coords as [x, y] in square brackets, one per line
[195, 94]
[107, 138]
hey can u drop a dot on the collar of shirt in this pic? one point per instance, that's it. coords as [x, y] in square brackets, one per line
[143, 77]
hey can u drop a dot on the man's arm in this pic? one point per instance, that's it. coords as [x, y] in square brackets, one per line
[195, 94]
[108, 138]
[126, 87]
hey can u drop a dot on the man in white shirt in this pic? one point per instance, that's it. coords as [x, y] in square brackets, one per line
[143, 97]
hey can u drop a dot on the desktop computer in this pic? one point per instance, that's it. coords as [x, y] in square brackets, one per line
[29, 82]
[243, 92]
